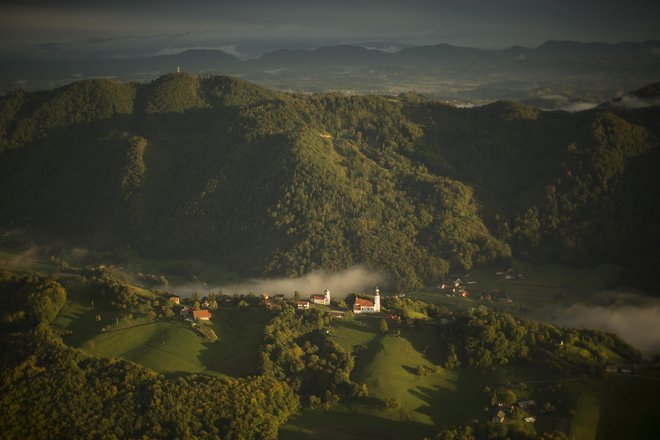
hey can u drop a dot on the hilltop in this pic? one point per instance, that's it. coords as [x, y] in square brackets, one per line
[266, 182]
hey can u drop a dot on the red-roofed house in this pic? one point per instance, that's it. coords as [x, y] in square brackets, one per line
[367, 306]
[362, 305]
[202, 315]
[303, 305]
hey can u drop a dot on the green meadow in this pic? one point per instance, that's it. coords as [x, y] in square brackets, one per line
[542, 285]
[165, 345]
[403, 404]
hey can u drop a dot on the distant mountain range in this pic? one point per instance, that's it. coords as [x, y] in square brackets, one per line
[576, 71]
[585, 55]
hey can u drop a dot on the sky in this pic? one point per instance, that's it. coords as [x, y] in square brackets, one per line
[247, 28]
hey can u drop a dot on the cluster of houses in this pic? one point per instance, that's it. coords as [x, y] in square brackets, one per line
[509, 274]
[495, 294]
[273, 302]
[456, 287]
[361, 305]
[504, 408]
[189, 313]
[623, 369]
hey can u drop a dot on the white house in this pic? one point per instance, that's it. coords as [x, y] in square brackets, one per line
[367, 306]
[321, 299]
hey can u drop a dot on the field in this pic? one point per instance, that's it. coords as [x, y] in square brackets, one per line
[541, 286]
[403, 404]
[169, 345]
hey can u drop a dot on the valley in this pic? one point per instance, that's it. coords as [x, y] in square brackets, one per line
[483, 227]
[401, 401]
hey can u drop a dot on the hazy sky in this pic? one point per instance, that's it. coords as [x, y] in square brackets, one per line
[124, 28]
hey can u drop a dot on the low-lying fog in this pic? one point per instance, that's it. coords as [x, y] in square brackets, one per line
[632, 316]
[340, 284]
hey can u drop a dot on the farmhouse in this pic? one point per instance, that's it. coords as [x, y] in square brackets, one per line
[499, 417]
[303, 305]
[201, 315]
[367, 306]
[321, 299]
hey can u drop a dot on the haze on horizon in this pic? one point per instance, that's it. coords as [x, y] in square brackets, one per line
[249, 28]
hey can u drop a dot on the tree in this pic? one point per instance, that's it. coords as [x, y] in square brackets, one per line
[493, 399]
[383, 327]
[547, 408]
[510, 397]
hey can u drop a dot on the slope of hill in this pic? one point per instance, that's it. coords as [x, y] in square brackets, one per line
[267, 182]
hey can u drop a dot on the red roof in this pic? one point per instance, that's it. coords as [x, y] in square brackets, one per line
[359, 302]
[317, 297]
[201, 314]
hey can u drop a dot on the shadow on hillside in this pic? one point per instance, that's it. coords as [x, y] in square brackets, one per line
[240, 333]
[365, 358]
[336, 424]
[425, 341]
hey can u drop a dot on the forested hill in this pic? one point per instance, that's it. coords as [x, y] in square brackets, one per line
[273, 183]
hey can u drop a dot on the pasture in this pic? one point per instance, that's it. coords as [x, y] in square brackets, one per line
[403, 404]
[165, 345]
[541, 285]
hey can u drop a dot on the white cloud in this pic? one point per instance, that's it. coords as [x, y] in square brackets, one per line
[340, 284]
[634, 318]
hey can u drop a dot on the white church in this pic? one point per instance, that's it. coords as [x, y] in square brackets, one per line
[321, 299]
[367, 306]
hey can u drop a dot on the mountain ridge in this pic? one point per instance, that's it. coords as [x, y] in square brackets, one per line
[273, 183]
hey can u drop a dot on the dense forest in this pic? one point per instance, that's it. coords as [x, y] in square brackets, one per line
[273, 183]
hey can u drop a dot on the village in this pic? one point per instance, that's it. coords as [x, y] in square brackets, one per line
[459, 285]
[193, 309]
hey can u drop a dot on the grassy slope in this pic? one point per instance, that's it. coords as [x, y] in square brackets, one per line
[446, 397]
[166, 345]
[621, 407]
